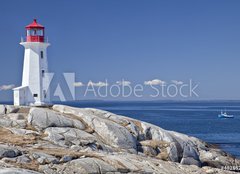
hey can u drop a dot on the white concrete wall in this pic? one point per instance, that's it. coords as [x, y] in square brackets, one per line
[32, 73]
[16, 96]
[20, 96]
[45, 79]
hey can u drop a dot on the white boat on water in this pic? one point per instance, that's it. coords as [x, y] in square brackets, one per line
[225, 115]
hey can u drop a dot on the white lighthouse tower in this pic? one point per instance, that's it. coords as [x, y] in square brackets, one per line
[35, 82]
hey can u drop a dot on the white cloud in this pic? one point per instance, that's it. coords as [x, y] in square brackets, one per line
[98, 84]
[123, 83]
[177, 82]
[78, 84]
[154, 82]
[6, 87]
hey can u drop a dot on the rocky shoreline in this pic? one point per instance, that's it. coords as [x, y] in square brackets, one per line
[63, 139]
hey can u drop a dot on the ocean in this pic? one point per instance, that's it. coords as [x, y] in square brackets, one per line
[194, 118]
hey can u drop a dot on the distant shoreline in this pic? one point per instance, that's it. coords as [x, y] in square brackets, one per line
[137, 101]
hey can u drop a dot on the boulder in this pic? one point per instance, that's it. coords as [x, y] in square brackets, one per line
[216, 158]
[107, 115]
[5, 122]
[43, 158]
[149, 151]
[68, 136]
[84, 165]
[190, 151]
[66, 158]
[7, 160]
[2, 109]
[190, 156]
[155, 133]
[112, 133]
[16, 116]
[131, 163]
[19, 124]
[17, 171]
[43, 118]
[23, 159]
[190, 161]
[173, 153]
[23, 131]
[7, 151]
[133, 129]
[11, 109]
[67, 109]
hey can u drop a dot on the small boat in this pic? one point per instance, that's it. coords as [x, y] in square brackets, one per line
[225, 115]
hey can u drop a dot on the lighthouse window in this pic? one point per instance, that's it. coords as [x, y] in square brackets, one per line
[45, 94]
[40, 32]
[28, 32]
[35, 95]
[41, 54]
[43, 73]
[34, 32]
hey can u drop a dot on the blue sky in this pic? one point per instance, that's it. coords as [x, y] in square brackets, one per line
[137, 40]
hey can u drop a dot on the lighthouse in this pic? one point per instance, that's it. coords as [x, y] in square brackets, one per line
[35, 82]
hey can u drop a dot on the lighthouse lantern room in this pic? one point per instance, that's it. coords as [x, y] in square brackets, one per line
[35, 82]
[35, 32]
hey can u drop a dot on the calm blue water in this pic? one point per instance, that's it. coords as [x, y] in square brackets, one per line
[199, 119]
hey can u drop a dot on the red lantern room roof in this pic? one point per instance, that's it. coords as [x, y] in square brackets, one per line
[34, 24]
